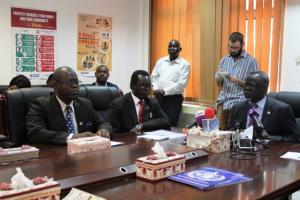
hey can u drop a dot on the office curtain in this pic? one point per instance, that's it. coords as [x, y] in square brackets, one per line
[261, 22]
[203, 28]
[192, 22]
[171, 19]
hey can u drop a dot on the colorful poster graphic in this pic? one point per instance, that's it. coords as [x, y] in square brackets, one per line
[94, 43]
[33, 37]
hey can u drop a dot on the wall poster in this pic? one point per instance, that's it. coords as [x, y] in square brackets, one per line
[94, 43]
[34, 41]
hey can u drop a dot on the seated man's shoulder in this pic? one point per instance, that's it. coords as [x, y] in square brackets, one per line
[84, 100]
[109, 84]
[41, 100]
[153, 100]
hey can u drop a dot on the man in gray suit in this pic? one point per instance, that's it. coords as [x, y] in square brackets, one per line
[63, 115]
[136, 111]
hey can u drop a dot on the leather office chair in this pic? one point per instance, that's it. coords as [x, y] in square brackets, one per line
[101, 97]
[18, 102]
[291, 98]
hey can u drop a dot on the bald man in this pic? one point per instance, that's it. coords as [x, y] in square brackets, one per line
[63, 115]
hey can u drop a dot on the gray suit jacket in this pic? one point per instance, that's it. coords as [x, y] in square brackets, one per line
[123, 117]
[46, 123]
[278, 118]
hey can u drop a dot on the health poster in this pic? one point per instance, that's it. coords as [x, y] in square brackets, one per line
[94, 43]
[34, 42]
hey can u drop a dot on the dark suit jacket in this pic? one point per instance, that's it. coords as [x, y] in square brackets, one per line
[278, 118]
[46, 123]
[123, 117]
[109, 84]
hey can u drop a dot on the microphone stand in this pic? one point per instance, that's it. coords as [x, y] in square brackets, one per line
[257, 133]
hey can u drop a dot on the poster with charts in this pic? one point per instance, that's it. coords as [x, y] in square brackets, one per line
[34, 42]
[94, 43]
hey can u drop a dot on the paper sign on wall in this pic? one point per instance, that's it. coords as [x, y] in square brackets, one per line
[94, 43]
[34, 42]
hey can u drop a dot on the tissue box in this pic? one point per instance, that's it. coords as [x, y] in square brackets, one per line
[214, 141]
[20, 153]
[86, 144]
[153, 169]
[48, 190]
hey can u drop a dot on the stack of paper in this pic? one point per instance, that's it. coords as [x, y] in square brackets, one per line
[162, 135]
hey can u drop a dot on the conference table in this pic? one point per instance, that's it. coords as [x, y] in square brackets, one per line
[111, 173]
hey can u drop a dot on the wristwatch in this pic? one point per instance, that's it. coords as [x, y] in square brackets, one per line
[139, 127]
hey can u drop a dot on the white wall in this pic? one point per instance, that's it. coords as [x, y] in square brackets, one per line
[290, 71]
[130, 34]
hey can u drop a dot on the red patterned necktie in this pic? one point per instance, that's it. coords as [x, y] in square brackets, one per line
[141, 111]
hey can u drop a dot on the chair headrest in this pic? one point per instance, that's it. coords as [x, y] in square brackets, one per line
[291, 98]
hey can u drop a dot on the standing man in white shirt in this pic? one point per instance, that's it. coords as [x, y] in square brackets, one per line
[169, 78]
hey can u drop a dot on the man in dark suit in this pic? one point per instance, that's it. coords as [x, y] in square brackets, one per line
[276, 116]
[102, 74]
[136, 111]
[63, 115]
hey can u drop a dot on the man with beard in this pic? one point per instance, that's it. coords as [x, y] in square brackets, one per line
[63, 115]
[276, 116]
[169, 78]
[233, 70]
[136, 111]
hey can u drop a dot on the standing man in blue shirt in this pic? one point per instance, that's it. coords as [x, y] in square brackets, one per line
[169, 78]
[233, 70]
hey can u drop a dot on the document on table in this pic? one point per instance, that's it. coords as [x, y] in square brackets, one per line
[247, 133]
[162, 135]
[114, 143]
[76, 194]
[291, 155]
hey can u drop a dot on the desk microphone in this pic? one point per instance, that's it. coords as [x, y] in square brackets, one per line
[198, 119]
[257, 124]
[235, 137]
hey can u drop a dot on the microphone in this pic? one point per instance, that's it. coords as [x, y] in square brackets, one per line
[237, 125]
[257, 124]
[235, 137]
[198, 119]
[209, 113]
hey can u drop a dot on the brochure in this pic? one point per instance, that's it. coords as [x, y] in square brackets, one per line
[207, 178]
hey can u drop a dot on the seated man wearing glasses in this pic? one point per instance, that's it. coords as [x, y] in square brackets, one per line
[63, 115]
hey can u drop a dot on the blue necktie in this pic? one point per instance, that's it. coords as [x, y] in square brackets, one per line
[69, 119]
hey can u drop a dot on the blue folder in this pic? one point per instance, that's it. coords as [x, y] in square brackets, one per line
[207, 178]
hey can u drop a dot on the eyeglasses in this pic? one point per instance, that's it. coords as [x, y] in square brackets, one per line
[70, 82]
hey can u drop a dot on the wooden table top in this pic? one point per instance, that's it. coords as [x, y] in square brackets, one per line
[272, 177]
[99, 172]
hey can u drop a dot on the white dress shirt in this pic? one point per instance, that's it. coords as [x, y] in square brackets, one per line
[136, 103]
[172, 77]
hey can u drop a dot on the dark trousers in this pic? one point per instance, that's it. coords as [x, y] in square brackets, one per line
[172, 106]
